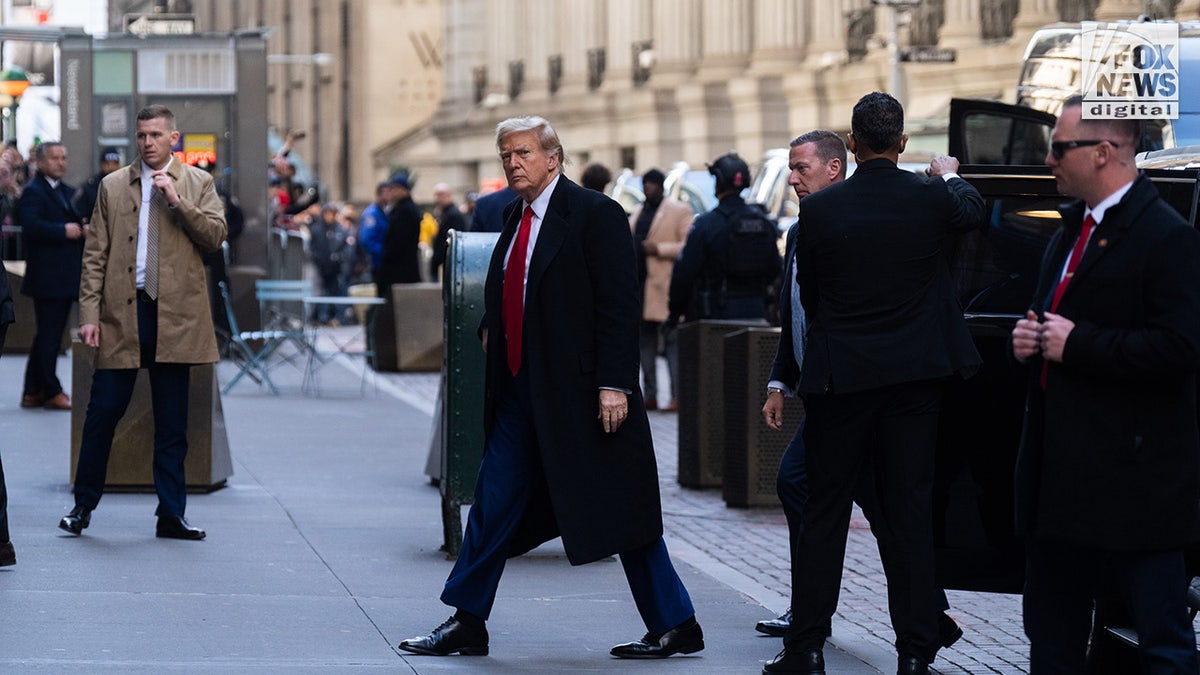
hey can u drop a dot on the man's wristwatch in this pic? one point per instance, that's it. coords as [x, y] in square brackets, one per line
[774, 390]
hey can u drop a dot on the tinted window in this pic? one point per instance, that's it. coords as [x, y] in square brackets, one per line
[993, 138]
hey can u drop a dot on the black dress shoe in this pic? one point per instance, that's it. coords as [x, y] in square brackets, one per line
[797, 662]
[686, 638]
[948, 630]
[77, 520]
[776, 627]
[450, 637]
[177, 527]
[8, 555]
[912, 665]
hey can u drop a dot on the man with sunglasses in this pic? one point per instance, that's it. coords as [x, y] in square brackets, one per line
[1108, 474]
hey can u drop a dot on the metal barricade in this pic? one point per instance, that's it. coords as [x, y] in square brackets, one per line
[702, 402]
[752, 449]
[463, 365]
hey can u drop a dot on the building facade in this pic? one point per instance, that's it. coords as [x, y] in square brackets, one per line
[637, 84]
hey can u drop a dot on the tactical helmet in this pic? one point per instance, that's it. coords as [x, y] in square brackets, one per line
[731, 172]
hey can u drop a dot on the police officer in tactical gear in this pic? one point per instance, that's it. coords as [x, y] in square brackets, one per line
[731, 257]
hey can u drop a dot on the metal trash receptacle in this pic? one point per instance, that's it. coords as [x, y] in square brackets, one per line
[752, 449]
[701, 438]
[468, 256]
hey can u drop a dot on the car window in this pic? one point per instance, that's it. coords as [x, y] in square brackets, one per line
[993, 138]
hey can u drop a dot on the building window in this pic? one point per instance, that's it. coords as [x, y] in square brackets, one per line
[628, 156]
[479, 78]
[643, 61]
[596, 64]
[997, 18]
[554, 70]
[516, 79]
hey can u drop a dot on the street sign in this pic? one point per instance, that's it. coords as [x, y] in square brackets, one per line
[160, 24]
[928, 55]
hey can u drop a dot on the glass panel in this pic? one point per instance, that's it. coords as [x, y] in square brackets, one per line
[112, 73]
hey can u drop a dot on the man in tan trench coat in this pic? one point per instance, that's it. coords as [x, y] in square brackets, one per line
[143, 304]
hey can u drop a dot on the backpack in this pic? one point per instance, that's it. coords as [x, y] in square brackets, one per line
[752, 257]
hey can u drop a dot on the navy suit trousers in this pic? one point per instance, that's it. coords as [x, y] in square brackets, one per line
[50, 317]
[1061, 583]
[110, 395]
[509, 475]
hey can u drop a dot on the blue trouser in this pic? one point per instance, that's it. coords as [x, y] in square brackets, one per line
[1061, 584]
[110, 394]
[510, 470]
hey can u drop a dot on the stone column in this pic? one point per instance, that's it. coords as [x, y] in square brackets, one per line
[962, 26]
[1116, 10]
[726, 38]
[825, 23]
[779, 38]
[676, 31]
[628, 22]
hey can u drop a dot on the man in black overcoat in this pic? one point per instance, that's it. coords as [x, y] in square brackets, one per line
[885, 332]
[1108, 474]
[568, 450]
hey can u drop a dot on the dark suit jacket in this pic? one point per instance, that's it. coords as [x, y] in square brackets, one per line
[875, 283]
[489, 210]
[582, 313]
[53, 262]
[785, 369]
[1110, 454]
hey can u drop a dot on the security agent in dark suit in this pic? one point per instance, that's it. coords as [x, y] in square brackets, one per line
[885, 331]
[568, 450]
[1108, 473]
[816, 160]
[54, 235]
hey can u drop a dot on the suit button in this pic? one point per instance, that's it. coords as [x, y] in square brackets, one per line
[129, 301]
[130, 269]
[131, 238]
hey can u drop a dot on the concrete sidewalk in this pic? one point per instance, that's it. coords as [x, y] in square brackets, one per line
[322, 554]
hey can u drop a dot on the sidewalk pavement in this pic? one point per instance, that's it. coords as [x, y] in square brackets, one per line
[322, 554]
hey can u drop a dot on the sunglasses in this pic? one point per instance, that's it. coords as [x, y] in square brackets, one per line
[1060, 148]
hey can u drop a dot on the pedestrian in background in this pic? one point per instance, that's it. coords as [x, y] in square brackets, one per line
[372, 228]
[660, 226]
[85, 197]
[401, 244]
[489, 210]
[54, 237]
[8, 556]
[595, 176]
[885, 331]
[143, 305]
[449, 218]
[1108, 473]
[568, 450]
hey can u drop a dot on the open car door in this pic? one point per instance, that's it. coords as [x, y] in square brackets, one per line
[990, 132]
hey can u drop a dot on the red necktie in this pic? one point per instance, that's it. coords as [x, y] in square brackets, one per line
[512, 300]
[1072, 263]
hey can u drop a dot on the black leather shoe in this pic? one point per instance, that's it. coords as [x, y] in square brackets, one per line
[686, 638]
[948, 630]
[775, 627]
[77, 520]
[177, 527]
[912, 665]
[450, 637]
[8, 556]
[798, 662]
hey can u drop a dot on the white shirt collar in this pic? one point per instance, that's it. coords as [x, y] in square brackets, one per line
[1098, 211]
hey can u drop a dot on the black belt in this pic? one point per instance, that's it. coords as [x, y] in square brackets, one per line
[143, 296]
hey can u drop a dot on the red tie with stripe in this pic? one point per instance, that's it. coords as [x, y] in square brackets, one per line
[1085, 232]
[512, 299]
